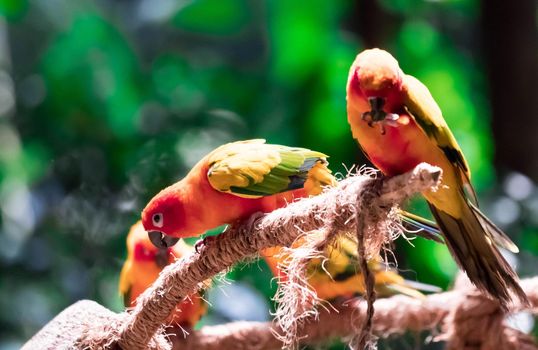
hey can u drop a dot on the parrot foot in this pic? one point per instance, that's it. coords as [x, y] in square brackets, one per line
[200, 244]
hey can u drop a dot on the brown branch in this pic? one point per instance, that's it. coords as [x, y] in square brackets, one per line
[336, 208]
[394, 315]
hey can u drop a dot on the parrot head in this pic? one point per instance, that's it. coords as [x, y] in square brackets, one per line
[143, 250]
[376, 76]
[163, 218]
[377, 73]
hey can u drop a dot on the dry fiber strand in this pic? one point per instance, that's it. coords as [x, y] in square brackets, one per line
[334, 210]
[377, 225]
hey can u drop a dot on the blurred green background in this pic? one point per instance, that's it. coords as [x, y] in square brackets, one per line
[103, 103]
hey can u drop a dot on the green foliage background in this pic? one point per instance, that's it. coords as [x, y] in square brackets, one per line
[103, 103]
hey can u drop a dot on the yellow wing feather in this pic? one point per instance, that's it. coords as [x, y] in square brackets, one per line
[464, 233]
[422, 106]
[125, 283]
[319, 176]
[237, 164]
[337, 274]
[254, 169]
[341, 277]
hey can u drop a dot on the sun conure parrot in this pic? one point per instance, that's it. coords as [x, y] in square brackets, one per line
[233, 182]
[398, 125]
[142, 267]
[339, 276]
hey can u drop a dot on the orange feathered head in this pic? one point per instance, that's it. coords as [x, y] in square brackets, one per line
[142, 250]
[163, 218]
[375, 73]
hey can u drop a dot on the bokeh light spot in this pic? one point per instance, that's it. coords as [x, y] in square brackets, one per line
[518, 186]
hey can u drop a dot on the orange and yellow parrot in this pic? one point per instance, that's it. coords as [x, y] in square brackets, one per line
[236, 180]
[231, 183]
[338, 274]
[142, 267]
[398, 125]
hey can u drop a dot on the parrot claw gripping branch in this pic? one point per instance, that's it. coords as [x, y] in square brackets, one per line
[339, 209]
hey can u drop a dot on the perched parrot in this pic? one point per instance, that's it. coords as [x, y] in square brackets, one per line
[398, 125]
[339, 277]
[233, 182]
[142, 267]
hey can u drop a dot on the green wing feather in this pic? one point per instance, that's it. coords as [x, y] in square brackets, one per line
[255, 169]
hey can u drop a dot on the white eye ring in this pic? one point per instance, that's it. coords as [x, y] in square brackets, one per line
[157, 220]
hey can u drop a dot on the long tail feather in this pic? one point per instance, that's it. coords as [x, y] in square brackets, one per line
[423, 227]
[424, 287]
[390, 282]
[495, 233]
[476, 254]
[405, 290]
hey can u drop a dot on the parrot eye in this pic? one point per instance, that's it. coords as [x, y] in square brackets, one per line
[157, 220]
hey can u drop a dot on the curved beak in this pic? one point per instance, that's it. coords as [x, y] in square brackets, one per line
[161, 258]
[160, 240]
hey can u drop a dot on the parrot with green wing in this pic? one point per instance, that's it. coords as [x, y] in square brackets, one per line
[231, 183]
[337, 275]
[398, 125]
[235, 181]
